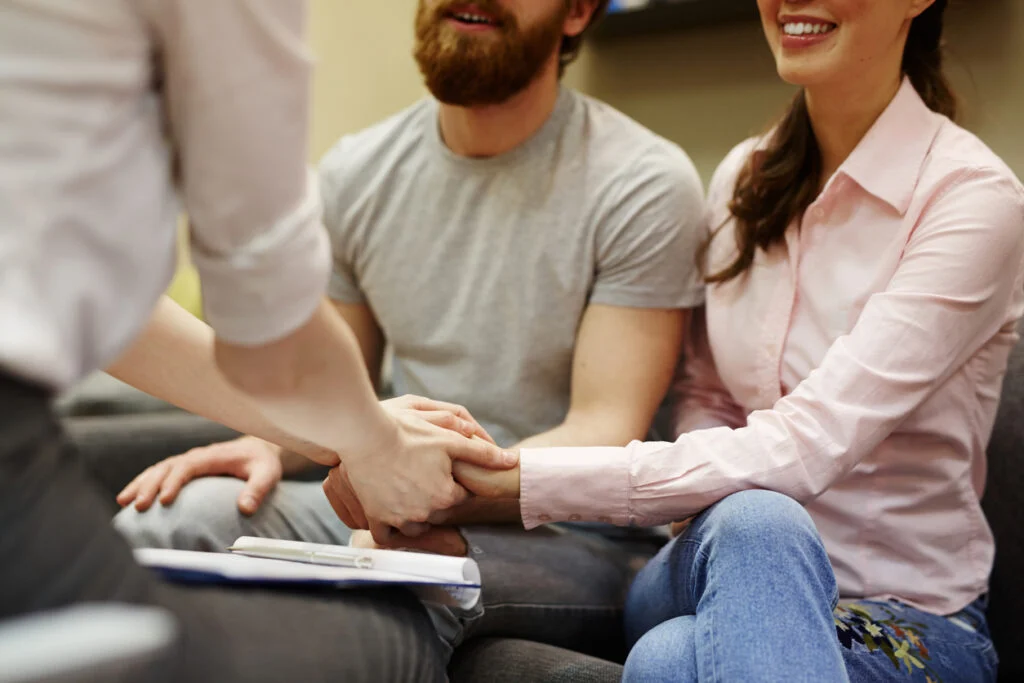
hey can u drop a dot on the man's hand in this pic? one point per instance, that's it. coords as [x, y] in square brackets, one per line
[408, 476]
[442, 540]
[256, 461]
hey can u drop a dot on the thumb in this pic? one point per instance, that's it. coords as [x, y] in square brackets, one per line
[262, 480]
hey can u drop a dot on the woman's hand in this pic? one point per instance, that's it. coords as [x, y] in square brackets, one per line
[488, 483]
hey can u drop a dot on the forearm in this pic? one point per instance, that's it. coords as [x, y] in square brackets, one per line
[173, 360]
[610, 428]
[313, 382]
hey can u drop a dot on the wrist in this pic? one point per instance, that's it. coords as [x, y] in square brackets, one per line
[380, 433]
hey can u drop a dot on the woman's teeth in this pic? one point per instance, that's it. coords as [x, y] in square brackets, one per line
[793, 29]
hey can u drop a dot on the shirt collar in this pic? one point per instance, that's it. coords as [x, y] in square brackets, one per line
[888, 161]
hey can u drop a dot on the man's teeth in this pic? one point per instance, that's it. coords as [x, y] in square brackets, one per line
[807, 29]
[472, 18]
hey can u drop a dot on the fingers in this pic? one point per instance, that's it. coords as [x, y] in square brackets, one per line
[413, 529]
[180, 473]
[468, 425]
[362, 539]
[486, 482]
[678, 528]
[451, 422]
[463, 414]
[129, 492]
[149, 485]
[355, 507]
[332, 486]
[382, 533]
[263, 477]
[482, 454]
[444, 540]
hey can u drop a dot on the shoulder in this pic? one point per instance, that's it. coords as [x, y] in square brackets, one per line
[957, 155]
[353, 160]
[633, 157]
[961, 176]
[723, 181]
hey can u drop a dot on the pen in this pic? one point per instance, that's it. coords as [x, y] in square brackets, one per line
[309, 556]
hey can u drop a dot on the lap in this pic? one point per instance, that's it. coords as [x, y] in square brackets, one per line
[555, 585]
[273, 635]
[205, 516]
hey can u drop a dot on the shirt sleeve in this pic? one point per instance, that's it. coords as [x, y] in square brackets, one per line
[236, 84]
[647, 241]
[344, 283]
[955, 288]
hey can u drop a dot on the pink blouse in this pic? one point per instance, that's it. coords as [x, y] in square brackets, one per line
[856, 368]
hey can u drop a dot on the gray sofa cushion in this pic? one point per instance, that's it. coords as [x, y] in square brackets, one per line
[101, 394]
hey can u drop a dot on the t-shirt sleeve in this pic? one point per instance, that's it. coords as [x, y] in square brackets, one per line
[343, 285]
[648, 237]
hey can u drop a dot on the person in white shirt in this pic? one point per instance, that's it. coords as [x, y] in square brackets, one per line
[110, 110]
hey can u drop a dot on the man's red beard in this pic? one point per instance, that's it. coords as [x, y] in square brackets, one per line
[470, 69]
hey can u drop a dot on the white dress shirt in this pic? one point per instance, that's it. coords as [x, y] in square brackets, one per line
[109, 111]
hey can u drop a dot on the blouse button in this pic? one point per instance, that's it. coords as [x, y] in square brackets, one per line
[544, 518]
[574, 518]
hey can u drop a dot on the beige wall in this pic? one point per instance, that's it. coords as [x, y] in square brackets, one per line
[705, 89]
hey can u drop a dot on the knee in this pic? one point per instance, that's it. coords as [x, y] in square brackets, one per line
[200, 518]
[665, 653]
[756, 518]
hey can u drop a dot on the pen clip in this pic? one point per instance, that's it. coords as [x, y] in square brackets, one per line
[357, 562]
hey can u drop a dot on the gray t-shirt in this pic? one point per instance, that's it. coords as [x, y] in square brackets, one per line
[479, 270]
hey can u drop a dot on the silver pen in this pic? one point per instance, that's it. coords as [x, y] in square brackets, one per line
[308, 556]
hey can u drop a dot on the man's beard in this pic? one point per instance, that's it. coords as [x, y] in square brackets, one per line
[469, 70]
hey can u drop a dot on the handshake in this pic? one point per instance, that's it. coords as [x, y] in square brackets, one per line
[433, 459]
[437, 457]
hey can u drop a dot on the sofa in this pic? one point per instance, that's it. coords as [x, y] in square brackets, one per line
[118, 438]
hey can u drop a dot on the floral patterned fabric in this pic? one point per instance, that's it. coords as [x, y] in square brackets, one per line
[896, 642]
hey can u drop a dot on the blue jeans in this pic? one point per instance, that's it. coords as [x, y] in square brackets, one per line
[747, 594]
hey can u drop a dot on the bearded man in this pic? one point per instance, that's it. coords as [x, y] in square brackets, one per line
[524, 251]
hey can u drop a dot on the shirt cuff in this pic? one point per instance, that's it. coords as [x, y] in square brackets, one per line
[267, 289]
[574, 485]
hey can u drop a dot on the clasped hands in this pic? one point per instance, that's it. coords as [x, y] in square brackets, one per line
[409, 486]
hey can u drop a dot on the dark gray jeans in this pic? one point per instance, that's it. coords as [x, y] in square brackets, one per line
[57, 548]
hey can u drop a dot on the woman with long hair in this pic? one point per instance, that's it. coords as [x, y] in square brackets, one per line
[865, 273]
